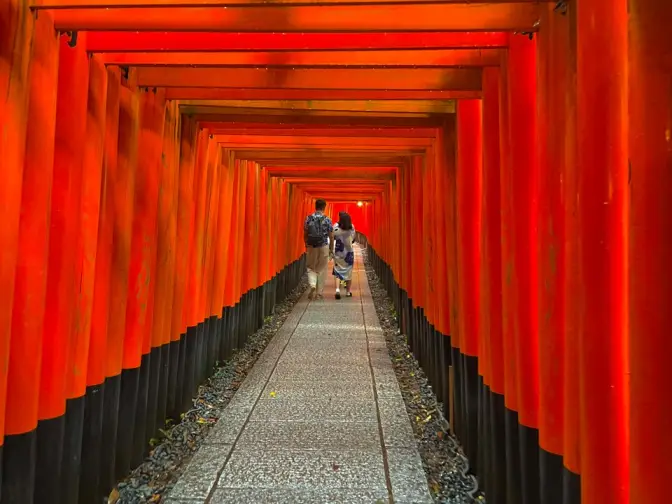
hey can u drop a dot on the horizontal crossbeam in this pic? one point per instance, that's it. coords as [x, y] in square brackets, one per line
[104, 41]
[467, 79]
[516, 16]
[200, 93]
[316, 59]
[404, 106]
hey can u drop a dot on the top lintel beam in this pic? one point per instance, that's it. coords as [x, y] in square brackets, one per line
[130, 42]
[515, 16]
[157, 4]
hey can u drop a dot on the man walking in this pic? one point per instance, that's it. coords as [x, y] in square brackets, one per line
[318, 233]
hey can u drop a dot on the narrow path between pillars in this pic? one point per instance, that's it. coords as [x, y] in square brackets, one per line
[319, 419]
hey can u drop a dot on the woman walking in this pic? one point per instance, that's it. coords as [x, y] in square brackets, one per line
[344, 255]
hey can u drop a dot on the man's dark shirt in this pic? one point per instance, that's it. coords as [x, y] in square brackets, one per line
[327, 226]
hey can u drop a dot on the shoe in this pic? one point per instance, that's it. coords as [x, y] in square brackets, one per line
[349, 294]
[338, 294]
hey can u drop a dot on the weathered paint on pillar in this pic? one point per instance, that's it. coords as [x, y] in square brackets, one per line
[491, 266]
[650, 241]
[15, 41]
[602, 162]
[469, 181]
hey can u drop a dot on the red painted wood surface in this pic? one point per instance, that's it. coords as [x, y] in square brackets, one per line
[529, 227]
[25, 357]
[70, 135]
[650, 242]
[602, 163]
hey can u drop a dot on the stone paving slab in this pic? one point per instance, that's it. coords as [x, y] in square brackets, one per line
[319, 419]
[320, 388]
[285, 496]
[312, 435]
[303, 469]
[199, 479]
[341, 409]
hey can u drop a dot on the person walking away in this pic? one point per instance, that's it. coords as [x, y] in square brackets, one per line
[318, 233]
[344, 253]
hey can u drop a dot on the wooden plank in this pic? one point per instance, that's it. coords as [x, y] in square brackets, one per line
[336, 142]
[128, 42]
[515, 16]
[414, 106]
[196, 93]
[288, 113]
[325, 121]
[159, 4]
[381, 79]
[416, 58]
[262, 130]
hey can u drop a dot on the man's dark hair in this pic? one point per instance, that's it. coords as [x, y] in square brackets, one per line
[344, 221]
[320, 205]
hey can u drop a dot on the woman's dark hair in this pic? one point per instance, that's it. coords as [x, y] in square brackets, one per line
[344, 221]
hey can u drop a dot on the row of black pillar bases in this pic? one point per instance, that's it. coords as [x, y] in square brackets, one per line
[78, 458]
[503, 454]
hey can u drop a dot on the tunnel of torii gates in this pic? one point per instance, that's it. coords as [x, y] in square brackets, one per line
[514, 165]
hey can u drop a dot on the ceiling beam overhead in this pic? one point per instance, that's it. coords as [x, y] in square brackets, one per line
[262, 130]
[403, 106]
[462, 16]
[466, 79]
[157, 4]
[329, 141]
[132, 42]
[371, 172]
[322, 121]
[321, 156]
[416, 58]
[196, 93]
[288, 113]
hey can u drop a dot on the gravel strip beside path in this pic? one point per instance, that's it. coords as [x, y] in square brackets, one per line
[444, 462]
[172, 452]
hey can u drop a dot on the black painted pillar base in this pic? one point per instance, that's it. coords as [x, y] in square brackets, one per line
[89, 483]
[128, 400]
[151, 416]
[141, 405]
[111, 400]
[19, 455]
[175, 377]
[72, 449]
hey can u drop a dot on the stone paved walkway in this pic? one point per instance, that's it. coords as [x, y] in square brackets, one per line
[319, 419]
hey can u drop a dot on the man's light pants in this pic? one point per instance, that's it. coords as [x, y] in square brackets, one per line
[317, 259]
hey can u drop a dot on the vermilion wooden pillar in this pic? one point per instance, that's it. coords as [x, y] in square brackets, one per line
[602, 163]
[468, 194]
[491, 289]
[571, 418]
[554, 85]
[88, 213]
[143, 254]
[54, 479]
[160, 362]
[23, 373]
[513, 478]
[15, 40]
[124, 209]
[178, 322]
[650, 251]
[92, 443]
[521, 272]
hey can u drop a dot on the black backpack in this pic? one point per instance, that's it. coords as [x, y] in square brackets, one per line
[315, 236]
